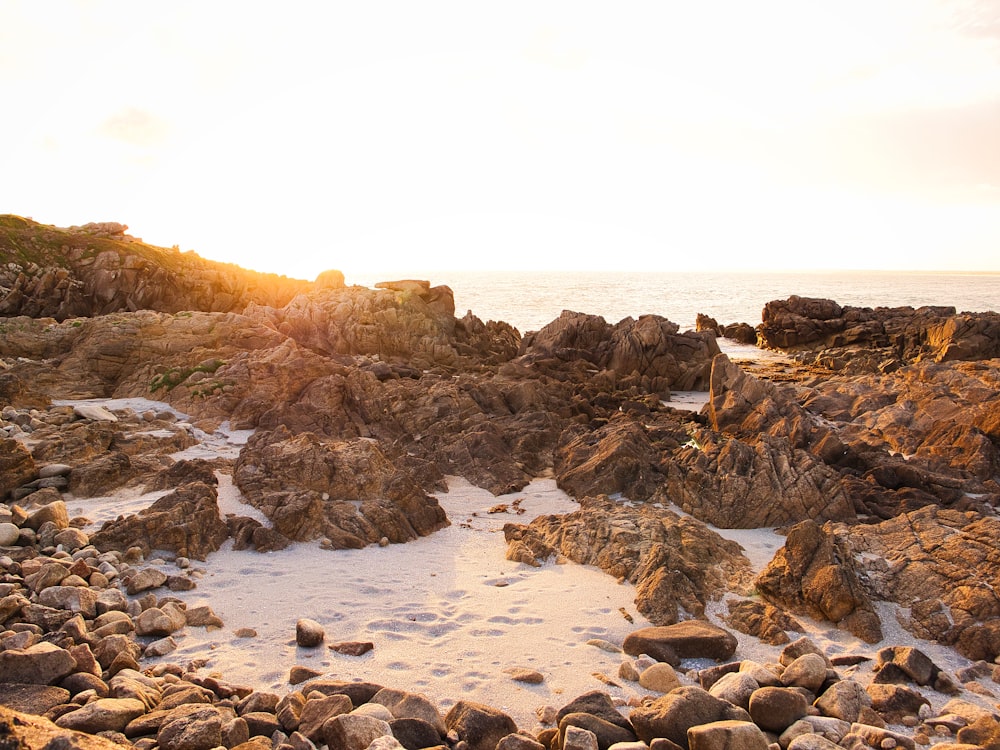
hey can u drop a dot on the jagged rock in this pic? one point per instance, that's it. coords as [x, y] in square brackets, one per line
[672, 560]
[75, 272]
[102, 475]
[617, 458]
[814, 574]
[943, 564]
[186, 522]
[649, 347]
[761, 620]
[348, 492]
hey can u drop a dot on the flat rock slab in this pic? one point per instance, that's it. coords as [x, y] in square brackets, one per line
[691, 639]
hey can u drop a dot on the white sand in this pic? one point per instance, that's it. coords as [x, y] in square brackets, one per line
[447, 613]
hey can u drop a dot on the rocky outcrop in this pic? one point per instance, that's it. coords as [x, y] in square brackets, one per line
[649, 349]
[186, 522]
[866, 339]
[677, 564]
[347, 492]
[97, 269]
[944, 566]
[815, 574]
[762, 463]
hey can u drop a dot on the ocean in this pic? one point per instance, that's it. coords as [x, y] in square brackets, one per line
[530, 300]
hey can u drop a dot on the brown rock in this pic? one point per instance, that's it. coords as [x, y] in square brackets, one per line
[36, 732]
[40, 664]
[190, 727]
[17, 467]
[102, 715]
[482, 727]
[813, 573]
[727, 735]
[309, 633]
[185, 522]
[691, 639]
[775, 709]
[671, 715]
[354, 731]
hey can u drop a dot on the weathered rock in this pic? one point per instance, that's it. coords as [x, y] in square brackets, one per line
[761, 620]
[316, 711]
[157, 621]
[814, 573]
[40, 664]
[353, 731]
[185, 522]
[594, 703]
[660, 678]
[671, 715]
[672, 560]
[309, 633]
[808, 671]
[727, 735]
[893, 702]
[775, 709]
[407, 705]
[578, 738]
[145, 580]
[606, 733]
[735, 687]
[35, 732]
[32, 699]
[190, 727]
[690, 639]
[482, 727]
[287, 477]
[17, 467]
[102, 715]
[72, 598]
[843, 700]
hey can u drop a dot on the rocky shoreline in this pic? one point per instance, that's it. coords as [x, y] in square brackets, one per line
[873, 449]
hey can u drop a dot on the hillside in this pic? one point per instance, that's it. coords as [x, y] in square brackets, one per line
[96, 269]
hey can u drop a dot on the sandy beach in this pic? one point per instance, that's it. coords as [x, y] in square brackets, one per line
[448, 615]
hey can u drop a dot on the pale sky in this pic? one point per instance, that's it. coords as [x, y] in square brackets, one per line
[294, 137]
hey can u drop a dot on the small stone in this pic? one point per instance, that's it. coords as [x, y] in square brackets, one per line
[146, 579]
[352, 648]
[245, 633]
[522, 674]
[9, 534]
[309, 633]
[299, 674]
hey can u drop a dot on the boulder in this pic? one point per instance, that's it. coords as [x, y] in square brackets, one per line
[727, 735]
[775, 709]
[102, 715]
[186, 522]
[482, 727]
[690, 639]
[353, 731]
[672, 715]
[40, 664]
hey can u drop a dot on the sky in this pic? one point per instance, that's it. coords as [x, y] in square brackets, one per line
[542, 135]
